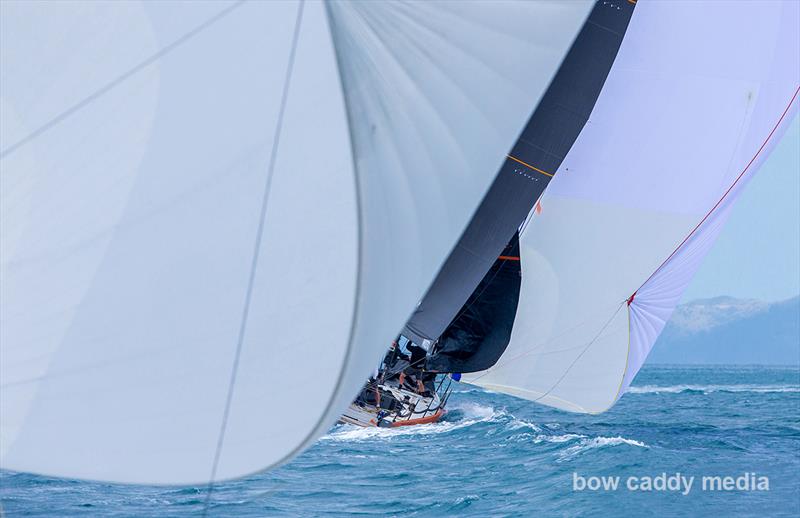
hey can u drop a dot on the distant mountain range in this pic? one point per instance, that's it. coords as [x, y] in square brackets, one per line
[725, 330]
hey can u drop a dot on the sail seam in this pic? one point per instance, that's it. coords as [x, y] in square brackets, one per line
[118, 80]
[356, 303]
[256, 255]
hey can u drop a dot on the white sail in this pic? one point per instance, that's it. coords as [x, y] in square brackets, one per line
[698, 94]
[210, 233]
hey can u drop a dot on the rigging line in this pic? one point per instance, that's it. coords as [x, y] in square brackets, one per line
[118, 80]
[254, 262]
[725, 195]
[593, 340]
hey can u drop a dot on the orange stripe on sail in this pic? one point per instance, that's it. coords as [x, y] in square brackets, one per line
[517, 160]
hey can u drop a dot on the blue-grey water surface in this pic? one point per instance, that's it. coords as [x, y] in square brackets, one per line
[495, 455]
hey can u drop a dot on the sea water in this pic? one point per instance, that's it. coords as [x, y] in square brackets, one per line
[495, 455]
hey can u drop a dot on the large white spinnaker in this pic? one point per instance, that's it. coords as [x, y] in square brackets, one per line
[216, 215]
[698, 94]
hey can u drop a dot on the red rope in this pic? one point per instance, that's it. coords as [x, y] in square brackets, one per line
[763, 145]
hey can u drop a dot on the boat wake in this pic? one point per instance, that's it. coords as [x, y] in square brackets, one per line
[586, 444]
[503, 424]
[457, 417]
[708, 389]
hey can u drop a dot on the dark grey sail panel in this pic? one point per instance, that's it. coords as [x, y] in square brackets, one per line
[480, 333]
[504, 207]
[536, 156]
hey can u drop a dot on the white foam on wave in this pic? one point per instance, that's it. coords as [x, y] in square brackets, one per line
[470, 389]
[472, 413]
[592, 443]
[469, 414]
[466, 499]
[707, 389]
[557, 439]
[479, 412]
[517, 424]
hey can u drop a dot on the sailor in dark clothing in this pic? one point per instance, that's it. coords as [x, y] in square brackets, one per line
[397, 369]
[414, 372]
[395, 362]
[428, 380]
[369, 395]
[418, 355]
[411, 379]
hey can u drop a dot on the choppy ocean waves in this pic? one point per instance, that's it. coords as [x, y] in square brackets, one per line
[708, 389]
[495, 455]
[463, 416]
[456, 418]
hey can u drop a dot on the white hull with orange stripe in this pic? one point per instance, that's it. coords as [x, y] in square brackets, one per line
[414, 409]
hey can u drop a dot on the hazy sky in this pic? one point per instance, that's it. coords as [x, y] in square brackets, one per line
[758, 252]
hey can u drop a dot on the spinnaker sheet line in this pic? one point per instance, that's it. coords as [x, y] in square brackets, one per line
[588, 346]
